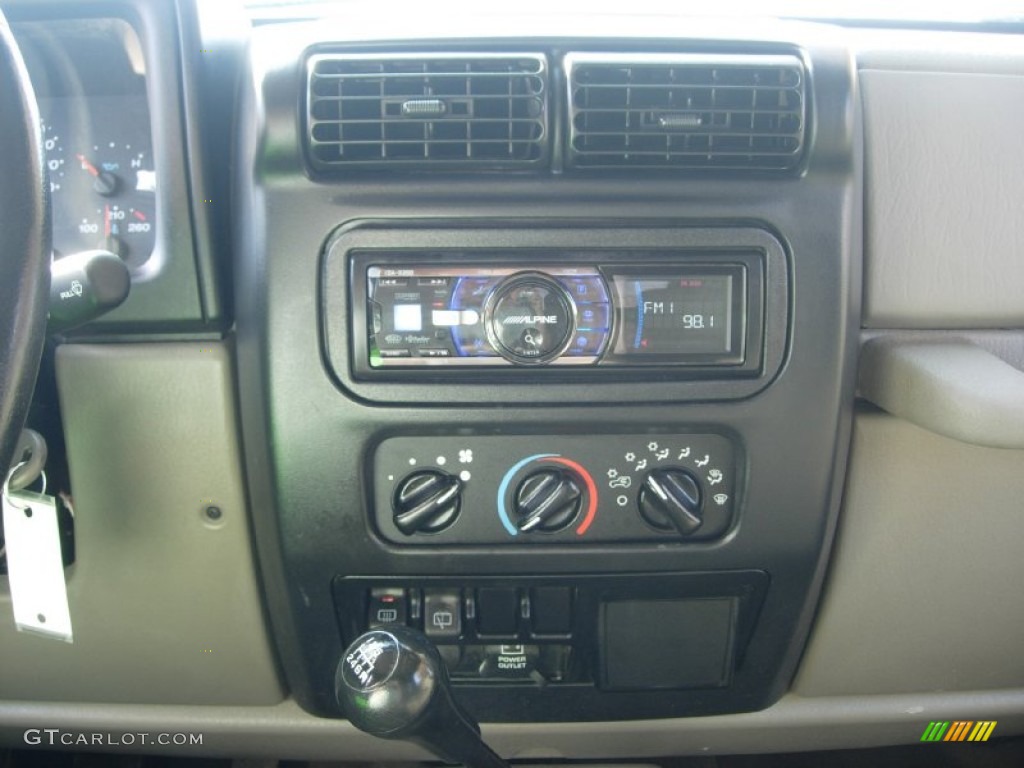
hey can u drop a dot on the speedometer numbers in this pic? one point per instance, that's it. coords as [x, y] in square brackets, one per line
[103, 197]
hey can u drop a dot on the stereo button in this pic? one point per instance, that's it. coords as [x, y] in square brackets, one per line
[592, 317]
[586, 289]
[434, 353]
[433, 282]
[587, 343]
[529, 319]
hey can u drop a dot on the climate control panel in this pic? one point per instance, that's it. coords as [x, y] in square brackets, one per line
[554, 489]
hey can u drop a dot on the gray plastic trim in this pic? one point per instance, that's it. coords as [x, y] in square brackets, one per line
[165, 603]
[286, 731]
[951, 387]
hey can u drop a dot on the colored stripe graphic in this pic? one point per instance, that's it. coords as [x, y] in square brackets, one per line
[958, 731]
[935, 731]
[982, 730]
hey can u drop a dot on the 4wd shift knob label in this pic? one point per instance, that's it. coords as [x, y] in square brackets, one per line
[371, 661]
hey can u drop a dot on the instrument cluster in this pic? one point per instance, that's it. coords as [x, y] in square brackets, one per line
[90, 81]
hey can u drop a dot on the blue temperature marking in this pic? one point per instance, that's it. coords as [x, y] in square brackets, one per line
[456, 332]
[502, 512]
[639, 314]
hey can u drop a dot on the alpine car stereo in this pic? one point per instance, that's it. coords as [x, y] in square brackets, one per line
[560, 309]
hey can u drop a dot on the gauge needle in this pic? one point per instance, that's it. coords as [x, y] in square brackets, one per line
[104, 182]
[86, 165]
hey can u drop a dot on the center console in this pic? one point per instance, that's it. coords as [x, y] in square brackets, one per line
[583, 426]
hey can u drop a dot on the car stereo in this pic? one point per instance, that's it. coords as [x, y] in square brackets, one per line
[559, 309]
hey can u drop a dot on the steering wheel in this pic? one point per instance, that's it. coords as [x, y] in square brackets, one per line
[24, 244]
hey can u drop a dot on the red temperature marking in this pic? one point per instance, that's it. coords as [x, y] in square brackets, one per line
[87, 165]
[588, 518]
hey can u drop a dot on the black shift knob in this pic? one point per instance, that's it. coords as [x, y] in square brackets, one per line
[393, 684]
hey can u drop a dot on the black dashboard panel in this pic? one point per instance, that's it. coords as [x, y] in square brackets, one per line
[366, 507]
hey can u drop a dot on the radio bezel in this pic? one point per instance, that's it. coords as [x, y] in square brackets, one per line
[361, 243]
[374, 267]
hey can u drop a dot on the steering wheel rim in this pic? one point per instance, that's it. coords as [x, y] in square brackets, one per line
[24, 244]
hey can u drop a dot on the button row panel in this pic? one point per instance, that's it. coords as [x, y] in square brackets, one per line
[452, 615]
[612, 631]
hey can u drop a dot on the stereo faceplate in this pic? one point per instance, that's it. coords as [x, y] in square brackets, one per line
[592, 309]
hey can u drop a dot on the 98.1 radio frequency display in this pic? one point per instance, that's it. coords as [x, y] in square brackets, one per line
[678, 314]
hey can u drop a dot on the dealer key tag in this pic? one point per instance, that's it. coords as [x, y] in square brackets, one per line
[34, 565]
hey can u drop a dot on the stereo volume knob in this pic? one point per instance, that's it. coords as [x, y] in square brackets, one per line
[529, 319]
[548, 500]
[671, 498]
[427, 502]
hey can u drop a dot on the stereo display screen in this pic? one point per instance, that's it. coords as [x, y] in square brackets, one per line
[684, 313]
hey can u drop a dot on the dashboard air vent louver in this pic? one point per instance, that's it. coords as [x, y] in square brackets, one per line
[689, 111]
[423, 110]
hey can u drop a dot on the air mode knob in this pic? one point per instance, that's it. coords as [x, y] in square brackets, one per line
[547, 500]
[671, 499]
[427, 501]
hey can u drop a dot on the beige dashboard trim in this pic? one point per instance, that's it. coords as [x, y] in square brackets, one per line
[949, 386]
[923, 590]
[286, 731]
[165, 604]
[943, 191]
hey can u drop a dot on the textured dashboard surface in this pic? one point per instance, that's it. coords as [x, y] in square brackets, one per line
[164, 604]
[923, 593]
[945, 179]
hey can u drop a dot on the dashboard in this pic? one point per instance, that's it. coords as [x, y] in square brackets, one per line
[489, 480]
[604, 355]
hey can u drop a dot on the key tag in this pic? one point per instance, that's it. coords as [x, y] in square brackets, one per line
[35, 568]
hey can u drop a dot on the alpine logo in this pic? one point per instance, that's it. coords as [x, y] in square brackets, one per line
[530, 320]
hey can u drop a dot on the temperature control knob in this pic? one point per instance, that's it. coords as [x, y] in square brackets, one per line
[670, 498]
[548, 500]
[427, 501]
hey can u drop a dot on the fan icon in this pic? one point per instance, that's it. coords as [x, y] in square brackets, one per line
[466, 457]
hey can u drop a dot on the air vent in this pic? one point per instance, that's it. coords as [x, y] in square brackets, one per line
[418, 111]
[686, 111]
